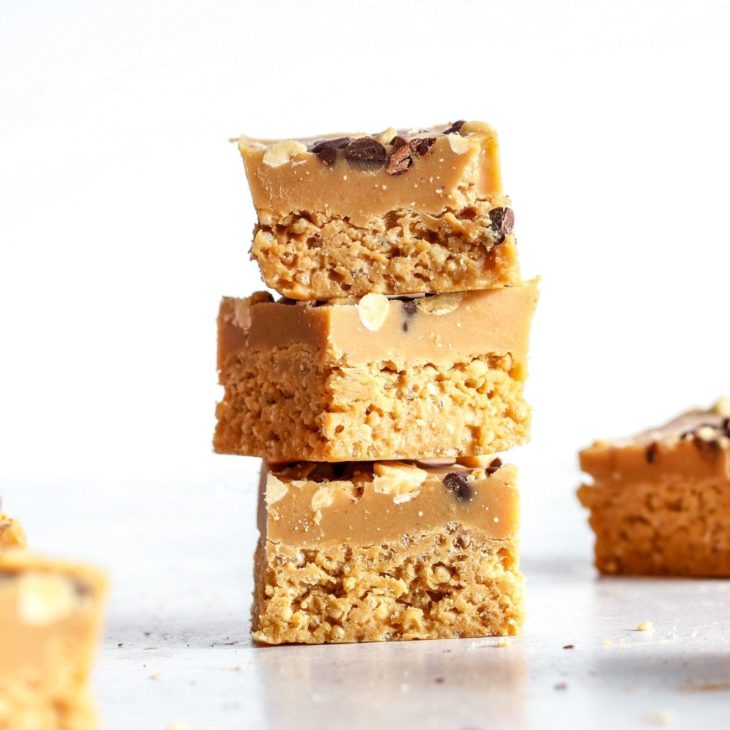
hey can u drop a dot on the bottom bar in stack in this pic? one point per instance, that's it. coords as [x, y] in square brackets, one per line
[377, 551]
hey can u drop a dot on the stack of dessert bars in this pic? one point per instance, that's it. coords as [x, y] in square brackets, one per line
[380, 386]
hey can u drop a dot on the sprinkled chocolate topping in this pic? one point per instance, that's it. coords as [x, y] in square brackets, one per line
[367, 150]
[421, 145]
[455, 128]
[327, 149]
[459, 485]
[401, 157]
[502, 222]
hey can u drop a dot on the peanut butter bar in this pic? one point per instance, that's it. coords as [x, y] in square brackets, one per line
[50, 620]
[401, 212]
[660, 502]
[387, 551]
[380, 379]
[11, 533]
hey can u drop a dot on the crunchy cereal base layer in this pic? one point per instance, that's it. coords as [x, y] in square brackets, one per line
[672, 526]
[442, 584]
[282, 404]
[317, 256]
[21, 708]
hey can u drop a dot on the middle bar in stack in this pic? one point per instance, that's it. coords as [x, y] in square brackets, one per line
[401, 339]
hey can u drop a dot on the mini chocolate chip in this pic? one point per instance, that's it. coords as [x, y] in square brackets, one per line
[459, 485]
[410, 307]
[494, 465]
[650, 453]
[366, 149]
[502, 221]
[421, 145]
[455, 128]
[400, 157]
[326, 150]
[569, 646]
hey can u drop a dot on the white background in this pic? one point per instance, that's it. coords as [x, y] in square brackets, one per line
[124, 215]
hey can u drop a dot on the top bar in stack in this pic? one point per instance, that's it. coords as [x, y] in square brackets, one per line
[402, 212]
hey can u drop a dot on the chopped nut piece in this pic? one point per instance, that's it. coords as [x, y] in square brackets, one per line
[45, 598]
[275, 490]
[282, 152]
[397, 478]
[459, 145]
[387, 136]
[443, 304]
[373, 309]
[722, 407]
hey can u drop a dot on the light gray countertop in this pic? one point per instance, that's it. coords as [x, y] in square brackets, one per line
[177, 647]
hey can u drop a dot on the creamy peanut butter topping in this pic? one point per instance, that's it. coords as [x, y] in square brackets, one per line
[362, 503]
[695, 441]
[361, 176]
[433, 329]
[50, 614]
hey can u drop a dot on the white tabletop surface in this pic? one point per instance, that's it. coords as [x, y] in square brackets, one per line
[177, 647]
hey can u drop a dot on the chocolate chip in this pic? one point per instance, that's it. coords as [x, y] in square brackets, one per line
[459, 485]
[326, 150]
[569, 646]
[494, 466]
[502, 221]
[455, 128]
[401, 157]
[409, 309]
[366, 149]
[421, 145]
[650, 453]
